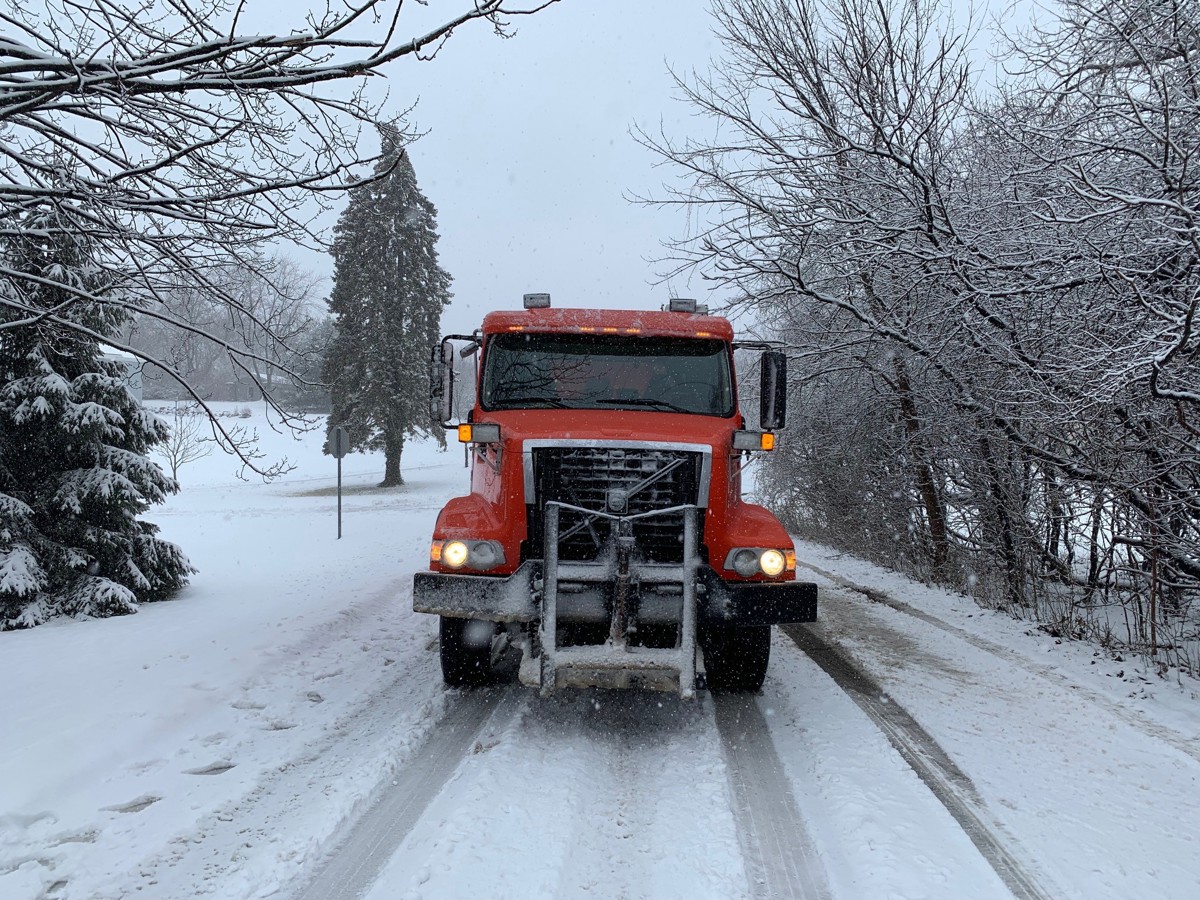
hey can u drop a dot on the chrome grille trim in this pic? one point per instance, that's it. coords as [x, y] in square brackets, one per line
[527, 448]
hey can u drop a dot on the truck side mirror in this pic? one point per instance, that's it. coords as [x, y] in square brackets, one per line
[772, 397]
[441, 382]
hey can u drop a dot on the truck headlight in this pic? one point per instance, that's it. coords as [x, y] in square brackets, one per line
[772, 562]
[749, 561]
[745, 562]
[458, 554]
[454, 554]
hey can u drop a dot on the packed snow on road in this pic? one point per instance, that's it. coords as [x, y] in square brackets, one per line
[281, 730]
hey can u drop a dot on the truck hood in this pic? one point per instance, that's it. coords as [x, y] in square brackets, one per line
[518, 426]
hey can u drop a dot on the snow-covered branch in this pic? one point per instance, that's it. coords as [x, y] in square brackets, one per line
[180, 142]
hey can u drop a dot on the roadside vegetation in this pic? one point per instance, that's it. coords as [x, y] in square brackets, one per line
[988, 292]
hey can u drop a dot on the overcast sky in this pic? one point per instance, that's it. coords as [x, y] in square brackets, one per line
[529, 157]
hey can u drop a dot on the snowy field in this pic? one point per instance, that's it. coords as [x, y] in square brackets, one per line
[224, 744]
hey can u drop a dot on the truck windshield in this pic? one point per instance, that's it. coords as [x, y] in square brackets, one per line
[531, 370]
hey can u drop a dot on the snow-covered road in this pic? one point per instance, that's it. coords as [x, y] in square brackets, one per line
[624, 795]
[282, 731]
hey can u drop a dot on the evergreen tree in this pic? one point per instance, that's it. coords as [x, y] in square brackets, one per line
[74, 475]
[387, 301]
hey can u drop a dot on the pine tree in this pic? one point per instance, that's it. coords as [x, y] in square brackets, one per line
[387, 302]
[74, 475]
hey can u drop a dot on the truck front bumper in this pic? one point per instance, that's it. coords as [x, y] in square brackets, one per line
[513, 598]
[756, 602]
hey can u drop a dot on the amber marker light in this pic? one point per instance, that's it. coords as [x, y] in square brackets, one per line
[790, 556]
[753, 440]
[435, 551]
[479, 433]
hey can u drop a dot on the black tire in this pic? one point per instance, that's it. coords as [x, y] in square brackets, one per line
[735, 659]
[464, 663]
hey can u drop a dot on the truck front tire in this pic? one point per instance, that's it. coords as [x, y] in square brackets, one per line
[735, 658]
[466, 655]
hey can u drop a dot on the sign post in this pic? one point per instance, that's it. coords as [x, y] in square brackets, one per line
[340, 444]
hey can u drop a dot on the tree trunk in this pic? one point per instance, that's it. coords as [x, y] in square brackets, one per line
[1003, 525]
[392, 448]
[935, 515]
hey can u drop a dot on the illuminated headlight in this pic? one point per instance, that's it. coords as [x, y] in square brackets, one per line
[454, 554]
[478, 555]
[749, 561]
[772, 563]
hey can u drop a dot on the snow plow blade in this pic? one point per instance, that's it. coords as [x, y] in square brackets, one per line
[495, 598]
[513, 599]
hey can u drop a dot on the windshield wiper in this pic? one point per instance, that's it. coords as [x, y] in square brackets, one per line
[642, 401]
[528, 401]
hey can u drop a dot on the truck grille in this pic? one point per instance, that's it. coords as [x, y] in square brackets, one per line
[589, 476]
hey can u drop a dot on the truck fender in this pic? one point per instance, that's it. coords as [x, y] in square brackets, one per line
[745, 525]
[470, 517]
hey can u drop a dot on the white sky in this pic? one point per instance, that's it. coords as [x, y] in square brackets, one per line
[529, 157]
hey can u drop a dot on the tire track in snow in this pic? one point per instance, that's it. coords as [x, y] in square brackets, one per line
[948, 783]
[356, 862]
[615, 795]
[780, 854]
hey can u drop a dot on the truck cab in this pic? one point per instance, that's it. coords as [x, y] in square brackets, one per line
[605, 536]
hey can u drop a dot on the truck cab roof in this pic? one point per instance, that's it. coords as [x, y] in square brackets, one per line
[654, 323]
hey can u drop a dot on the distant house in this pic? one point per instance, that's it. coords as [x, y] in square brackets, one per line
[131, 364]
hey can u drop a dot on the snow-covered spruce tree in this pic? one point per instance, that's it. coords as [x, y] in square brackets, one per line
[74, 475]
[387, 301]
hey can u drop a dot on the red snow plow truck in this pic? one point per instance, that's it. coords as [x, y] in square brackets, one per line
[605, 536]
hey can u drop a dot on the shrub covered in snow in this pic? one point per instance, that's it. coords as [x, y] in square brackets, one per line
[74, 475]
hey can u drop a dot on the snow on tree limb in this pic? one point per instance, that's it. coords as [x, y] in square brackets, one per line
[181, 143]
[994, 297]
